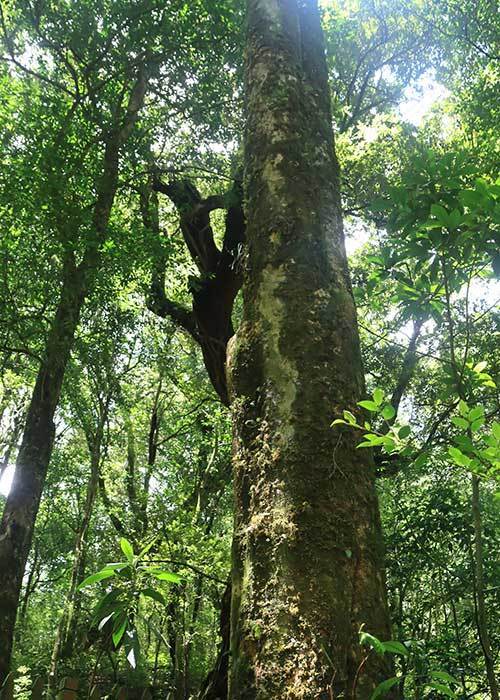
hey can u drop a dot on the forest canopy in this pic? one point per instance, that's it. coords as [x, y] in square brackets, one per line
[237, 463]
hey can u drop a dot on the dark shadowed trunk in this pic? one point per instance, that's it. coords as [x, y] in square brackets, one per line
[214, 290]
[308, 568]
[16, 528]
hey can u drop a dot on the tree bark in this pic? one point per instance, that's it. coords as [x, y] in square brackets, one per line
[21, 508]
[307, 558]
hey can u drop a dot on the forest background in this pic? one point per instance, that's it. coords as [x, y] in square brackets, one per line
[122, 216]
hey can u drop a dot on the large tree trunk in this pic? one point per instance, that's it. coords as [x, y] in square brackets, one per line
[308, 568]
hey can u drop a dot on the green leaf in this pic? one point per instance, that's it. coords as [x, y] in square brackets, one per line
[455, 219]
[463, 408]
[94, 578]
[471, 198]
[154, 594]
[440, 214]
[127, 549]
[384, 687]
[165, 576]
[366, 639]
[443, 689]
[475, 413]
[388, 412]
[403, 432]
[146, 549]
[350, 418]
[395, 647]
[108, 603]
[119, 628]
[421, 460]
[475, 425]
[378, 396]
[369, 405]
[480, 367]
[460, 422]
[495, 428]
[443, 676]
[458, 457]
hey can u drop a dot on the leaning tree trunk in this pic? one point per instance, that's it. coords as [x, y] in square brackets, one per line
[308, 568]
[21, 508]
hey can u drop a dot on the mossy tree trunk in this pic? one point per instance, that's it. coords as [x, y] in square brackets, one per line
[308, 561]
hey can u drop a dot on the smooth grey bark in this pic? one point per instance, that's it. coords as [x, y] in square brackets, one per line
[307, 557]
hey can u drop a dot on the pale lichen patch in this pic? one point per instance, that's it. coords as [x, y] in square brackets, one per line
[280, 370]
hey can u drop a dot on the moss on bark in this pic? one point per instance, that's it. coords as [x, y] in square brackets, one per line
[307, 549]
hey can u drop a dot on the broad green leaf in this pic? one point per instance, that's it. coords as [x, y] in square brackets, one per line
[458, 457]
[475, 425]
[367, 639]
[388, 412]
[378, 396]
[166, 576]
[421, 460]
[395, 647]
[127, 549]
[119, 628]
[440, 214]
[480, 367]
[404, 431]
[443, 676]
[94, 578]
[476, 413]
[384, 687]
[463, 408]
[460, 422]
[369, 405]
[146, 549]
[441, 688]
[350, 418]
[455, 219]
[154, 594]
[495, 428]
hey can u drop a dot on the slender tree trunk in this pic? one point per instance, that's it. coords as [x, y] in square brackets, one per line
[307, 566]
[31, 584]
[482, 623]
[67, 617]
